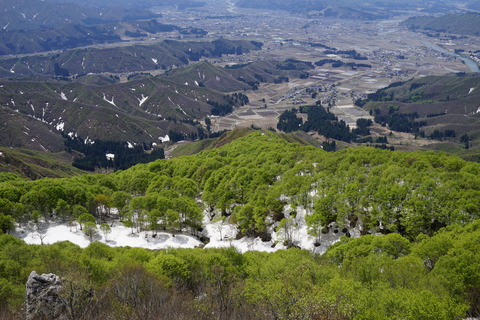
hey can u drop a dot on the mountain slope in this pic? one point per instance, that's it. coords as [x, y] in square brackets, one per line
[165, 54]
[464, 24]
[439, 103]
[37, 14]
[207, 75]
[138, 111]
[350, 9]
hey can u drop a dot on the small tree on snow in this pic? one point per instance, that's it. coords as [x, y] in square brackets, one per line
[286, 225]
[105, 229]
[84, 219]
[72, 224]
[218, 223]
[90, 230]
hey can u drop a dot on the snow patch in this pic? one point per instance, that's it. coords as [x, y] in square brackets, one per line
[130, 146]
[196, 83]
[63, 96]
[155, 60]
[471, 90]
[120, 236]
[109, 101]
[164, 139]
[88, 141]
[60, 126]
[142, 100]
[110, 156]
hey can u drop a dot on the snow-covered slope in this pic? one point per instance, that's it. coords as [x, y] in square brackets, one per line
[220, 232]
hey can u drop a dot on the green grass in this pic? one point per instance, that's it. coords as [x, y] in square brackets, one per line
[31, 164]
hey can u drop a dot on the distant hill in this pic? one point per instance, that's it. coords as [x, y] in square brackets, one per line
[71, 35]
[474, 5]
[65, 37]
[240, 76]
[37, 14]
[269, 71]
[179, 4]
[435, 106]
[208, 75]
[464, 23]
[165, 54]
[36, 114]
[349, 9]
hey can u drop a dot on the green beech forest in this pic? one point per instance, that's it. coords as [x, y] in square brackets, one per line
[418, 258]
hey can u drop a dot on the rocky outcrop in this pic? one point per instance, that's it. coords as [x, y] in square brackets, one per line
[43, 297]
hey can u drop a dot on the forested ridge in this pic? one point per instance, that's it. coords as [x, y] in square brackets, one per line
[416, 270]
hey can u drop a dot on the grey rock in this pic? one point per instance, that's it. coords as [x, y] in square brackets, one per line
[43, 297]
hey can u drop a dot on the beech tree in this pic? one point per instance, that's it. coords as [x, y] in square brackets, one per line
[90, 229]
[105, 228]
[85, 218]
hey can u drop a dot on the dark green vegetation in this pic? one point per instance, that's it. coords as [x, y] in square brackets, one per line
[420, 271]
[325, 123]
[338, 63]
[318, 119]
[439, 107]
[463, 24]
[163, 55]
[120, 154]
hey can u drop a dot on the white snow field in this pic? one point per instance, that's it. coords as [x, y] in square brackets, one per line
[221, 234]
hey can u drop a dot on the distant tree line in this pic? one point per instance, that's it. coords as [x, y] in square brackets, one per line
[124, 156]
[352, 54]
[403, 122]
[327, 124]
[320, 120]
[293, 64]
[339, 63]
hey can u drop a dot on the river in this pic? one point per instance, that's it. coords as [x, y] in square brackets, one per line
[468, 62]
